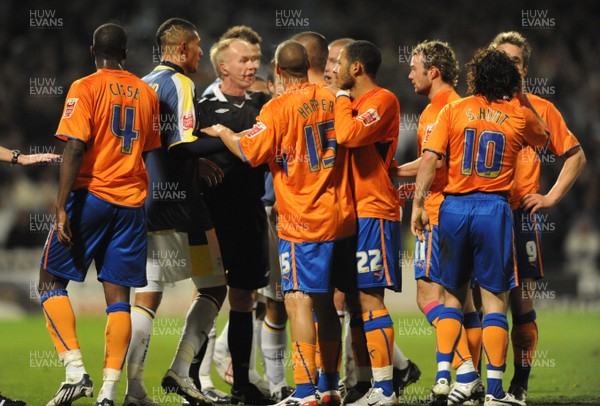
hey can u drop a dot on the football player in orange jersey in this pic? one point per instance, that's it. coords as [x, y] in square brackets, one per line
[526, 201]
[110, 118]
[480, 137]
[367, 120]
[294, 134]
[434, 73]
[334, 48]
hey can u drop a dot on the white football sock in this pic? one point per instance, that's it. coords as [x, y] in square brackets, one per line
[198, 322]
[141, 332]
[109, 387]
[400, 360]
[274, 344]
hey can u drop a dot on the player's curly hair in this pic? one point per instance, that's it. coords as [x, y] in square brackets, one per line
[514, 38]
[491, 73]
[439, 54]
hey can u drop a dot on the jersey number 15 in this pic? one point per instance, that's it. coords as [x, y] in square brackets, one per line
[315, 159]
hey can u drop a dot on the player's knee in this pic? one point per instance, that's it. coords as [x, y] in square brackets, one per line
[218, 293]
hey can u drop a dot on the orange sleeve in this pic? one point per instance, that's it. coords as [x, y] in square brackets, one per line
[76, 119]
[259, 145]
[362, 130]
[437, 140]
[562, 139]
[534, 133]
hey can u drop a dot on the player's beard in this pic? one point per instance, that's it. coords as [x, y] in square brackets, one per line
[345, 81]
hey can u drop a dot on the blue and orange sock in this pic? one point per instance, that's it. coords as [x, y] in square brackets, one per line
[117, 335]
[472, 323]
[432, 312]
[305, 368]
[449, 328]
[495, 343]
[60, 320]
[379, 331]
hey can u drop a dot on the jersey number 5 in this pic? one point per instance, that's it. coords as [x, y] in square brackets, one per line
[127, 133]
[326, 144]
[490, 153]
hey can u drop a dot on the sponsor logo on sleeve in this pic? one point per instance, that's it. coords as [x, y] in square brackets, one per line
[188, 121]
[70, 107]
[257, 129]
[369, 117]
[428, 131]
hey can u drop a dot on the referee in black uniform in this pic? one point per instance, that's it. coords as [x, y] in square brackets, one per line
[235, 205]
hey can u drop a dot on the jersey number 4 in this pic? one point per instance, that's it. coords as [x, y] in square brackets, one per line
[315, 159]
[487, 150]
[126, 132]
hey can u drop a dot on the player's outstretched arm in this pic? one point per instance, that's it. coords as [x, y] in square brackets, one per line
[569, 173]
[69, 169]
[6, 155]
[229, 138]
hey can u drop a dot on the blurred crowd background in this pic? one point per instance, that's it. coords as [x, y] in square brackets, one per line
[44, 46]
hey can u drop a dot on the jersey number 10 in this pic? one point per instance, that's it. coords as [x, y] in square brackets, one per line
[487, 151]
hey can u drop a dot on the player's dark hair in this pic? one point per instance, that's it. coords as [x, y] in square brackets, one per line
[514, 38]
[439, 54]
[292, 59]
[242, 32]
[367, 54]
[110, 42]
[316, 46]
[164, 33]
[491, 73]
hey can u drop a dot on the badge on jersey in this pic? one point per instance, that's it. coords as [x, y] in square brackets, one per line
[188, 121]
[369, 117]
[428, 131]
[69, 107]
[257, 129]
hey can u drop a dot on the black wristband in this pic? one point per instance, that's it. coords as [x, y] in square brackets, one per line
[15, 158]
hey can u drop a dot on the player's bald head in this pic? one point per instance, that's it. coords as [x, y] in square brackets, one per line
[316, 47]
[110, 42]
[292, 59]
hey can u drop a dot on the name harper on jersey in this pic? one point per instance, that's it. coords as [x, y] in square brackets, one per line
[118, 89]
[314, 105]
[488, 114]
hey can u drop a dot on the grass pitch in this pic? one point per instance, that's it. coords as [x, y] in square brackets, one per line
[565, 370]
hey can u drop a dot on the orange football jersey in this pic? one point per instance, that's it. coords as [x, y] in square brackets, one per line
[435, 197]
[295, 135]
[116, 114]
[369, 126]
[527, 172]
[481, 141]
